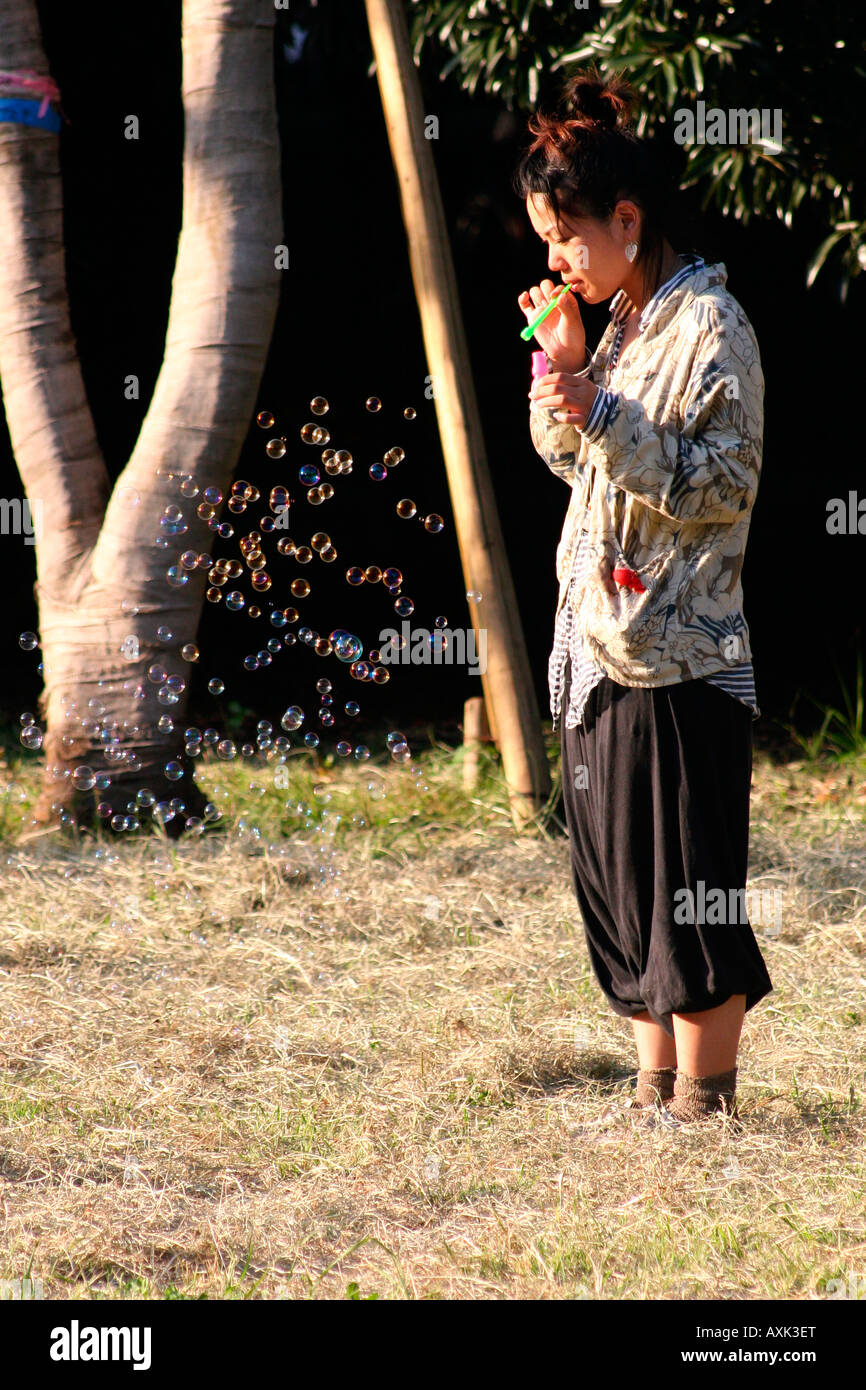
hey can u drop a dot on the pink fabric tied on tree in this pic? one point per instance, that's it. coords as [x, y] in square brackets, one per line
[45, 87]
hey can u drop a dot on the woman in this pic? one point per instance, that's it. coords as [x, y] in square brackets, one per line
[659, 434]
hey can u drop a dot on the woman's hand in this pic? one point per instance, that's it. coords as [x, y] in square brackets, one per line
[562, 335]
[569, 397]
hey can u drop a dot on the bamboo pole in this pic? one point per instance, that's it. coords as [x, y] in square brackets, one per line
[476, 731]
[507, 683]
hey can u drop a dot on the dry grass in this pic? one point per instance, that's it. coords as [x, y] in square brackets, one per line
[370, 1060]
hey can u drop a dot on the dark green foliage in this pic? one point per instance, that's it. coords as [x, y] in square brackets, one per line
[806, 59]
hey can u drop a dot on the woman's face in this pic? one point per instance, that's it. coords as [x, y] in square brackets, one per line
[585, 251]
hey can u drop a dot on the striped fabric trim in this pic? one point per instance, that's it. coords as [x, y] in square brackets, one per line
[739, 681]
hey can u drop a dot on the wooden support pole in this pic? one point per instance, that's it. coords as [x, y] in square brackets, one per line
[507, 683]
[476, 731]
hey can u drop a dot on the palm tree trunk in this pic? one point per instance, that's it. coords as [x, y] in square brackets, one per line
[101, 579]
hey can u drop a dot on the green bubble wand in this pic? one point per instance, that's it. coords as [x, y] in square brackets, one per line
[530, 328]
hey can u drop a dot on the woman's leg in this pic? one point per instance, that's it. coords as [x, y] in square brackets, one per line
[707, 1042]
[655, 1047]
[657, 1062]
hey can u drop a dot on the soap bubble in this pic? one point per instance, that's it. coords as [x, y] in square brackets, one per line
[393, 457]
[176, 576]
[275, 448]
[265, 420]
[381, 675]
[361, 753]
[312, 740]
[373, 404]
[172, 521]
[156, 673]
[189, 651]
[278, 499]
[372, 574]
[215, 685]
[440, 622]
[403, 607]
[319, 405]
[474, 595]
[406, 507]
[235, 600]
[378, 472]
[226, 749]
[164, 634]
[303, 554]
[31, 736]
[328, 555]
[347, 647]
[293, 718]
[343, 748]
[320, 540]
[352, 707]
[392, 577]
[84, 778]
[314, 434]
[323, 685]
[27, 641]
[355, 575]
[261, 582]
[409, 413]
[300, 588]
[212, 495]
[309, 474]
[173, 770]
[433, 523]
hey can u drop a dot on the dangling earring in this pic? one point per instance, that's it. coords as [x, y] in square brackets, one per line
[631, 251]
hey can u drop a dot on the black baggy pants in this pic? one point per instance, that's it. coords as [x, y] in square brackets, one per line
[656, 784]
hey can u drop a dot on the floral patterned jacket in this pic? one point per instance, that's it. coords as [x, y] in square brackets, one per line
[664, 476]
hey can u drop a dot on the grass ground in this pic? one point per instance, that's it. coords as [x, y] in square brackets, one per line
[354, 1050]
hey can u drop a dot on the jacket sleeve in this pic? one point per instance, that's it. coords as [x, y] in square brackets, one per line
[704, 467]
[564, 449]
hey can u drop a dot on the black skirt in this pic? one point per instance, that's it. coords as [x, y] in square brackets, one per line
[656, 784]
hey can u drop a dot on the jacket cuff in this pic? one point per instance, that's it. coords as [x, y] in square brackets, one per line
[601, 413]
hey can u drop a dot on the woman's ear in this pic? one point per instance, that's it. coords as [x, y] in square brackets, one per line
[628, 219]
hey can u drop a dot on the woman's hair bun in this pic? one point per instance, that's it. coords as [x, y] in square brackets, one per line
[589, 106]
[588, 98]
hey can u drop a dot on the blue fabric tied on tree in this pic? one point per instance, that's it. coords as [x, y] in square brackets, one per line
[22, 111]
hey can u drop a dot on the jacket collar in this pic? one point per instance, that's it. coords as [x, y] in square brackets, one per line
[689, 280]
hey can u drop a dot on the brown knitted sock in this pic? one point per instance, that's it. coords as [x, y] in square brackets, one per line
[654, 1087]
[696, 1097]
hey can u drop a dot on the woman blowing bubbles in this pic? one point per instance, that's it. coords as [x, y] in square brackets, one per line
[658, 432]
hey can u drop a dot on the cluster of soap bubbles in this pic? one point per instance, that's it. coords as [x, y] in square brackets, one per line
[257, 568]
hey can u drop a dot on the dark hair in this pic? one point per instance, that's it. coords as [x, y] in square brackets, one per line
[585, 157]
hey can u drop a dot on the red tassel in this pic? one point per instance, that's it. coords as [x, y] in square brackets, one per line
[629, 580]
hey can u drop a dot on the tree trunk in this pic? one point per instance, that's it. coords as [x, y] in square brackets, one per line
[101, 579]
